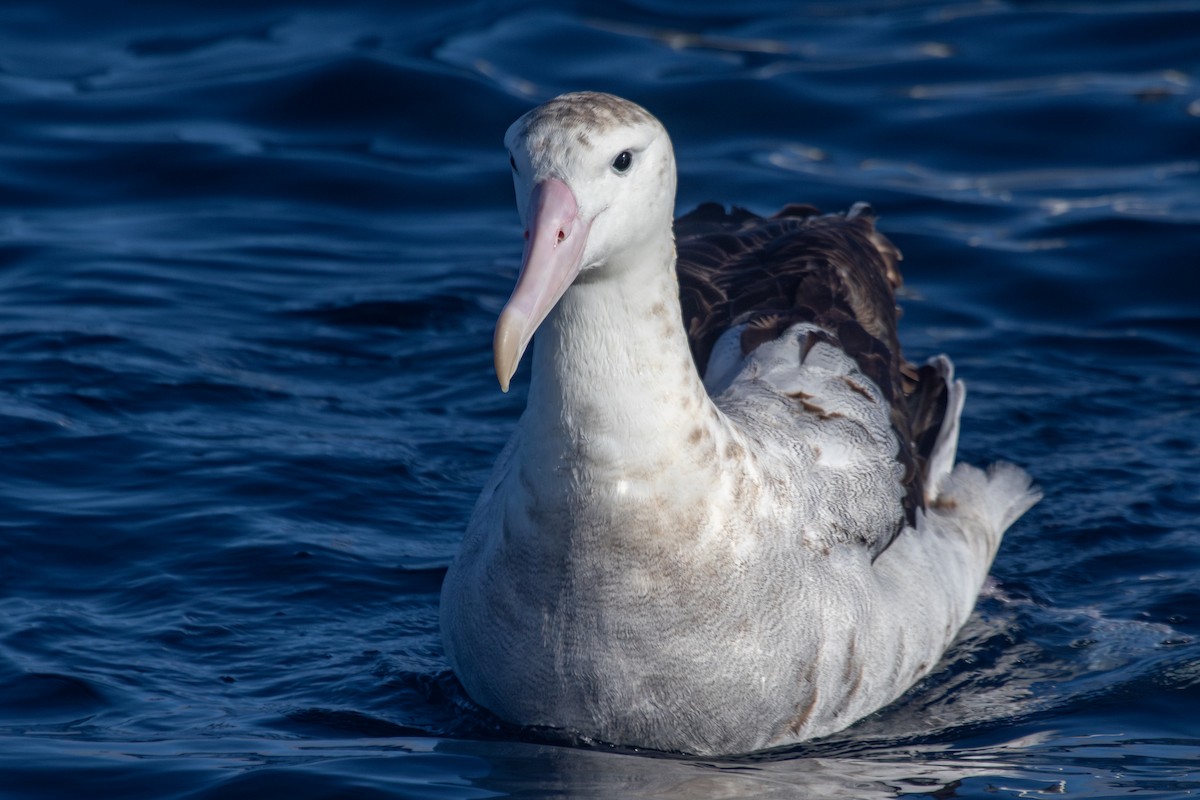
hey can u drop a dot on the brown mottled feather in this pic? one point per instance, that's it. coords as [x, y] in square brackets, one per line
[835, 271]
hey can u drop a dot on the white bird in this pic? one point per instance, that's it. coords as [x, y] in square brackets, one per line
[709, 565]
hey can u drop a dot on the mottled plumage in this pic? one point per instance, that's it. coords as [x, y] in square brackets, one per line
[717, 564]
[836, 271]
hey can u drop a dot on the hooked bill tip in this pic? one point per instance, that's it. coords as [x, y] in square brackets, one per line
[507, 346]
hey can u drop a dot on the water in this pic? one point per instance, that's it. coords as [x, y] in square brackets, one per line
[250, 259]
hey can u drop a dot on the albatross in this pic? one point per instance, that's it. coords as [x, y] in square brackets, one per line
[730, 516]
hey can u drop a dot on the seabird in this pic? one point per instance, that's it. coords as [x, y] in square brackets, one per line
[730, 517]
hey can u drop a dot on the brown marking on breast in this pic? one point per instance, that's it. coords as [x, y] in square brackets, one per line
[821, 413]
[846, 674]
[853, 674]
[697, 435]
[856, 684]
[798, 395]
[803, 714]
[944, 504]
[858, 387]
[659, 309]
[734, 451]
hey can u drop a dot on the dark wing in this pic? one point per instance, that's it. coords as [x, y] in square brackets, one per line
[835, 271]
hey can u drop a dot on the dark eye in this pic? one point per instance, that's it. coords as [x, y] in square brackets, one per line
[622, 161]
[512, 162]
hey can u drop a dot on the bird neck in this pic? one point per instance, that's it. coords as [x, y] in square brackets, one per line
[614, 385]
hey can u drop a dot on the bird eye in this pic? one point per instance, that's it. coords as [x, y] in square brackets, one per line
[622, 161]
[512, 162]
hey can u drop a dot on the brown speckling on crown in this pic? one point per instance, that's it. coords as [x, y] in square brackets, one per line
[584, 111]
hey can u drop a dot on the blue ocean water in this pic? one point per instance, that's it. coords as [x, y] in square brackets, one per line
[251, 254]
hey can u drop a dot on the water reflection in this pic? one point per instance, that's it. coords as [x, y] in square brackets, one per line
[583, 773]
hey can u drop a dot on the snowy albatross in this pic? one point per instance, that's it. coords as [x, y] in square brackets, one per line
[730, 517]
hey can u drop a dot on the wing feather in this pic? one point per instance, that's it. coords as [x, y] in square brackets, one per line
[835, 271]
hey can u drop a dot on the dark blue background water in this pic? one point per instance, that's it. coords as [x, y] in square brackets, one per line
[250, 258]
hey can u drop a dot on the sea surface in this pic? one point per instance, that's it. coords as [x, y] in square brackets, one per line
[251, 255]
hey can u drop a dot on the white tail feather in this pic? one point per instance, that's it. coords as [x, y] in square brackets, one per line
[945, 449]
[1010, 494]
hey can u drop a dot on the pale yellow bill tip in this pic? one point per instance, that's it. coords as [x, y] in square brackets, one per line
[506, 346]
